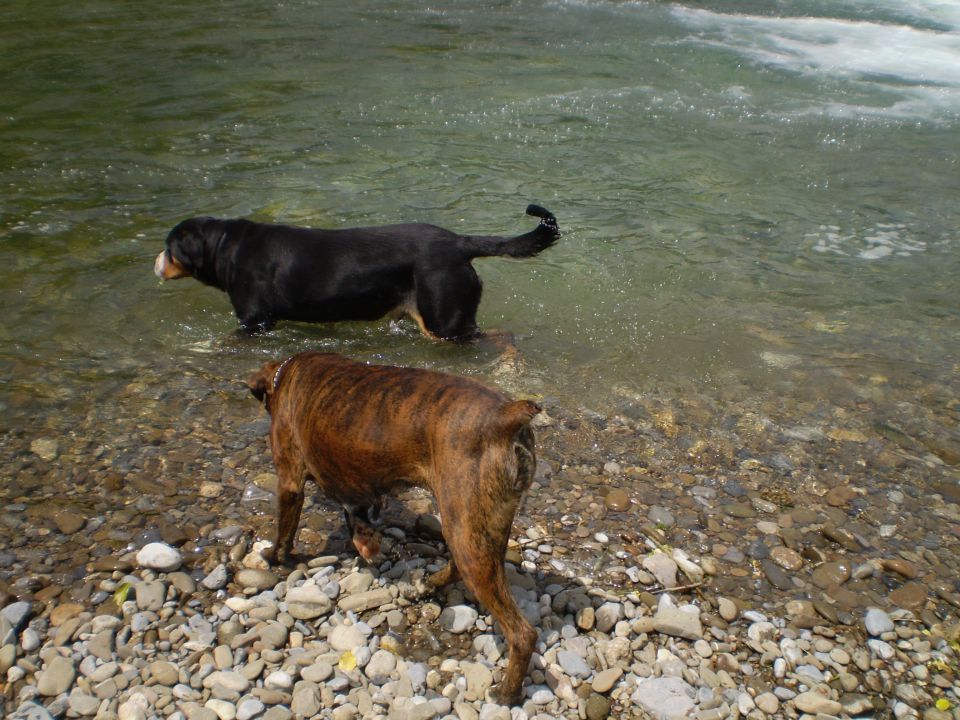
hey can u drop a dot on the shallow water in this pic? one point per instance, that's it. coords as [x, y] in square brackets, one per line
[756, 205]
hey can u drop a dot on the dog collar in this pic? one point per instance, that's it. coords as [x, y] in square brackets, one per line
[276, 375]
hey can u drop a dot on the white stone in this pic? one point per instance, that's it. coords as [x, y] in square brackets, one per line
[345, 637]
[224, 710]
[665, 698]
[458, 618]
[381, 665]
[159, 556]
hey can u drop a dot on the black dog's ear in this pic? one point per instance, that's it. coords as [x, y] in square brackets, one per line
[188, 244]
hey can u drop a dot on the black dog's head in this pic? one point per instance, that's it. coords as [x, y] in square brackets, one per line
[191, 250]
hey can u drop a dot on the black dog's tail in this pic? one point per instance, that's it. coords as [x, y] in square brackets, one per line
[527, 245]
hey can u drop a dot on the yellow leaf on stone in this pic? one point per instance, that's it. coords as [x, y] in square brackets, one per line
[120, 594]
[390, 644]
[943, 704]
[348, 661]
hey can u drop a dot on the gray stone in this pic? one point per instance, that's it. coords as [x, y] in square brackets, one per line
[573, 665]
[365, 601]
[229, 679]
[813, 702]
[406, 708]
[17, 614]
[83, 704]
[216, 579]
[458, 618]
[57, 677]
[306, 700]
[307, 602]
[165, 673]
[31, 711]
[663, 568]
[607, 615]
[665, 698]
[356, 583]
[249, 708]
[381, 666]
[256, 578]
[479, 679]
[677, 623]
[318, 672]
[151, 595]
[877, 622]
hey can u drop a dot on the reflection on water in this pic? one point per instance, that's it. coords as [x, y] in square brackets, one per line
[754, 205]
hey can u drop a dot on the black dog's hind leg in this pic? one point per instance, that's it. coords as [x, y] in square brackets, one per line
[447, 300]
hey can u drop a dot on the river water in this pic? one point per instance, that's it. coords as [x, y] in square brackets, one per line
[759, 201]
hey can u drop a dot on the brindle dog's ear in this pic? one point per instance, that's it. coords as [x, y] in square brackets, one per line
[258, 385]
[261, 382]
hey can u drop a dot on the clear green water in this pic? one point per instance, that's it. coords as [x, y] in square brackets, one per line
[753, 203]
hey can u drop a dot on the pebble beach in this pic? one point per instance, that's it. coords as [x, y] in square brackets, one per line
[679, 559]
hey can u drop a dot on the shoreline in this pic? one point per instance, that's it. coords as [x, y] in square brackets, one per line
[789, 534]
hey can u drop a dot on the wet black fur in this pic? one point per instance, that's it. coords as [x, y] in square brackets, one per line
[279, 272]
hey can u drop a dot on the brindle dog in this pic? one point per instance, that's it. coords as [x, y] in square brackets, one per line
[359, 431]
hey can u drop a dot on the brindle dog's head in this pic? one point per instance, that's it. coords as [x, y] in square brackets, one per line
[263, 382]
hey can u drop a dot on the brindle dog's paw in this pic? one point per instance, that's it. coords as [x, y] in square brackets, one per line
[506, 696]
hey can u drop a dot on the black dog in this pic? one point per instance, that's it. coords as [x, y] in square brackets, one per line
[278, 272]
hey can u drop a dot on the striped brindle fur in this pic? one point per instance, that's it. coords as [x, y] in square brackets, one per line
[359, 431]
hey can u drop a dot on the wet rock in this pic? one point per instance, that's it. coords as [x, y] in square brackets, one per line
[617, 500]
[776, 576]
[662, 567]
[831, 573]
[911, 596]
[900, 566]
[786, 558]
[69, 522]
[46, 449]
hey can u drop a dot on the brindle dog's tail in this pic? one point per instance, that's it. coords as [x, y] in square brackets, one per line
[527, 245]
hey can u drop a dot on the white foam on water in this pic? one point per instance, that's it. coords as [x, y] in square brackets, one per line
[921, 65]
[875, 243]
